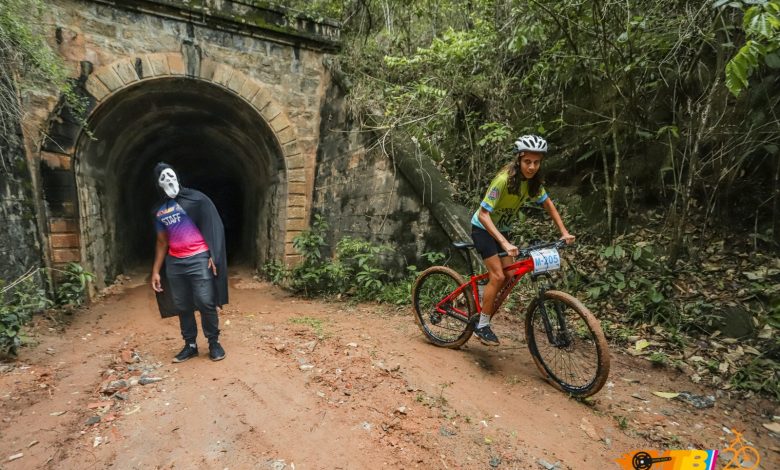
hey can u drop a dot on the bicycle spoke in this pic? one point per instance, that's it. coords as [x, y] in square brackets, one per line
[573, 358]
[443, 323]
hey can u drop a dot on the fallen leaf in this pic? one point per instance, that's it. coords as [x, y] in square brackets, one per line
[774, 427]
[666, 395]
[641, 344]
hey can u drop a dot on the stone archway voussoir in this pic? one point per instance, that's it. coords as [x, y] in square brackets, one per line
[207, 69]
[237, 81]
[222, 74]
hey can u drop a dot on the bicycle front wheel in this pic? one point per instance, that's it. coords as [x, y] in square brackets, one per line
[445, 324]
[569, 348]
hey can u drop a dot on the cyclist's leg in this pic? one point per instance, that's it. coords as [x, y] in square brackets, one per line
[488, 248]
[505, 261]
[496, 279]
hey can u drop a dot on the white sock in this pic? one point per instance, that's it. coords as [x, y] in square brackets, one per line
[484, 320]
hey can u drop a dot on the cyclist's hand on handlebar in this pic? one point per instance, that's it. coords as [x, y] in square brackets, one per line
[510, 249]
[568, 238]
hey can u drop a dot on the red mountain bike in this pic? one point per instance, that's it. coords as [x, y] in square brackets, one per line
[564, 337]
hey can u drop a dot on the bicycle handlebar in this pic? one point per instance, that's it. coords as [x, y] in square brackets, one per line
[524, 252]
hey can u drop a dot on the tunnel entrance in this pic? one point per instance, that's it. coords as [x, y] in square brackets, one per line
[217, 143]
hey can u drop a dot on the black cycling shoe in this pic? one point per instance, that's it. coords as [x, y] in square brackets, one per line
[186, 353]
[216, 353]
[486, 336]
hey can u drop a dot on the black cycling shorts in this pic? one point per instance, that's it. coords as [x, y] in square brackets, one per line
[484, 242]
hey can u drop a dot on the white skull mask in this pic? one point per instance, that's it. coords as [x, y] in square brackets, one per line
[169, 183]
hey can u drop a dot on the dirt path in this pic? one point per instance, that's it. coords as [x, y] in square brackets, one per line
[327, 386]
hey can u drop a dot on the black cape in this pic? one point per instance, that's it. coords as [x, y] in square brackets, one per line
[204, 214]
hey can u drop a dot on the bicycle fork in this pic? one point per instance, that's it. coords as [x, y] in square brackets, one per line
[559, 338]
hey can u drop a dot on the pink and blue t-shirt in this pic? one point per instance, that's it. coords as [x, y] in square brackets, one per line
[184, 238]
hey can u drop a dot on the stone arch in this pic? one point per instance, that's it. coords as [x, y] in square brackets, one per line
[67, 240]
[124, 72]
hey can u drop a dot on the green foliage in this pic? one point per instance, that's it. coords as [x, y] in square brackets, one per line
[27, 61]
[354, 271]
[635, 278]
[25, 297]
[761, 23]
[759, 375]
[310, 243]
[621, 89]
[314, 323]
[361, 259]
[71, 291]
[659, 358]
[19, 304]
[275, 271]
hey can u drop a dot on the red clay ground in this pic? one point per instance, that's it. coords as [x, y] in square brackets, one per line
[313, 385]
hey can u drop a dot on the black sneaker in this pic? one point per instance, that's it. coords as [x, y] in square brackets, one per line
[486, 336]
[216, 353]
[186, 353]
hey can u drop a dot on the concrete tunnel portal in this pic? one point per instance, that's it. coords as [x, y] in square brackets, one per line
[215, 140]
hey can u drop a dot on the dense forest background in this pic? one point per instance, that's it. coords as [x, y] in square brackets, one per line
[664, 105]
[665, 148]
[665, 153]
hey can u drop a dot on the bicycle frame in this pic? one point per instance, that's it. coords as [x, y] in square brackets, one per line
[516, 271]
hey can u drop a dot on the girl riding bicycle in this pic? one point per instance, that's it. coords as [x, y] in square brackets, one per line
[519, 181]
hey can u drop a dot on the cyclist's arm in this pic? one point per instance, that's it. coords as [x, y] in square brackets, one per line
[556, 217]
[487, 222]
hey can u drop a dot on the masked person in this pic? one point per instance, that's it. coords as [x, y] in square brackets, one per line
[190, 265]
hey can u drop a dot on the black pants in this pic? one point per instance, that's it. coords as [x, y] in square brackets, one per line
[193, 288]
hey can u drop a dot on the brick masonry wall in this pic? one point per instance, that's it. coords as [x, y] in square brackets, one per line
[108, 46]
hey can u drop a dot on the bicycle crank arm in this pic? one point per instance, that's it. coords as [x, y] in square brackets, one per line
[644, 461]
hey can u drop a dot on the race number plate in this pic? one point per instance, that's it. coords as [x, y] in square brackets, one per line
[546, 260]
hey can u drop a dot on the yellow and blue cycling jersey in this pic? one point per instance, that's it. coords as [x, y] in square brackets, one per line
[502, 205]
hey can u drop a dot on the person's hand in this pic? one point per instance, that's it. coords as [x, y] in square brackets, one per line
[510, 249]
[156, 285]
[212, 266]
[568, 238]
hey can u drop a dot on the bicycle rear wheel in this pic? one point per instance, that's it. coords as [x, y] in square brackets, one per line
[575, 356]
[452, 327]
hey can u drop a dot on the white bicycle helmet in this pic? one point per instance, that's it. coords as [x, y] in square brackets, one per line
[530, 143]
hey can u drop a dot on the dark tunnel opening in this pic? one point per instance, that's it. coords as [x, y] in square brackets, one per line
[217, 143]
[223, 185]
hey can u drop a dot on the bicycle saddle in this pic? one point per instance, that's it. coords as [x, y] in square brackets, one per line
[463, 245]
